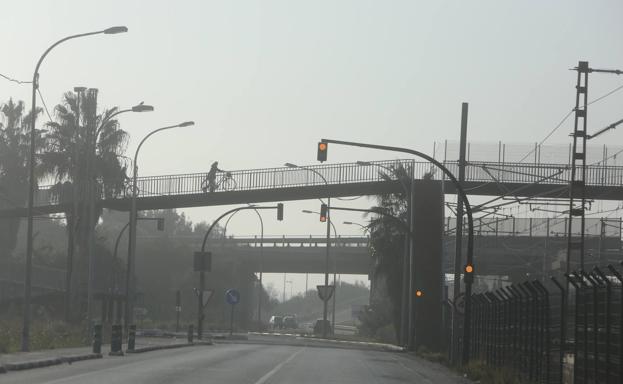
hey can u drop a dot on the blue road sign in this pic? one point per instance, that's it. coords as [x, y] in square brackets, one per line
[232, 296]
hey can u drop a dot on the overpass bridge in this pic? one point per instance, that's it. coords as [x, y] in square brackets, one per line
[510, 246]
[512, 180]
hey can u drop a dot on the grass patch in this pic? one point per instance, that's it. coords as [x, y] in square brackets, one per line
[479, 371]
[43, 335]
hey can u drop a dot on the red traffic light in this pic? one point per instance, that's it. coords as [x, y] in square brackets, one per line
[323, 212]
[322, 151]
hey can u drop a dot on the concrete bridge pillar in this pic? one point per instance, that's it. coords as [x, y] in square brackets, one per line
[427, 269]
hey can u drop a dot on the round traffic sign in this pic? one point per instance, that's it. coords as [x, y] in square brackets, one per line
[232, 296]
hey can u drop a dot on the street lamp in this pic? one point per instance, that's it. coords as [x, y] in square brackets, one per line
[328, 247]
[334, 268]
[31, 180]
[278, 207]
[160, 227]
[129, 286]
[365, 228]
[141, 107]
[261, 288]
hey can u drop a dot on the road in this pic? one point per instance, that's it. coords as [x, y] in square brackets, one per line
[251, 363]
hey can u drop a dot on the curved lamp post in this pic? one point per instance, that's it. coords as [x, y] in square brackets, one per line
[328, 247]
[261, 288]
[129, 286]
[31, 179]
[141, 107]
[468, 277]
[202, 272]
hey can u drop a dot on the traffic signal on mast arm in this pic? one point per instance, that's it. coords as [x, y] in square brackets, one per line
[323, 212]
[280, 211]
[322, 151]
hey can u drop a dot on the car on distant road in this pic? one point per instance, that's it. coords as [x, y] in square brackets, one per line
[319, 324]
[289, 322]
[276, 322]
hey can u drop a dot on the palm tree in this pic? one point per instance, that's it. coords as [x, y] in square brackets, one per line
[388, 241]
[77, 138]
[14, 151]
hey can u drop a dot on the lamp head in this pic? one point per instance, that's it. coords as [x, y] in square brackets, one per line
[186, 124]
[306, 211]
[290, 165]
[364, 163]
[348, 223]
[142, 108]
[115, 30]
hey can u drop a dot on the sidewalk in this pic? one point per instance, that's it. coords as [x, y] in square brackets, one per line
[27, 360]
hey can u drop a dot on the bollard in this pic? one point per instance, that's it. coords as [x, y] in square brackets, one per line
[190, 334]
[97, 338]
[131, 338]
[115, 340]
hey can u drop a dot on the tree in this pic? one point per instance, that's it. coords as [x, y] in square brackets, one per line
[387, 239]
[14, 156]
[83, 150]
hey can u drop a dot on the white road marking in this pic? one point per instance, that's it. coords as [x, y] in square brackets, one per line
[272, 372]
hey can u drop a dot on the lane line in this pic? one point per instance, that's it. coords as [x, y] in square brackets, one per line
[272, 372]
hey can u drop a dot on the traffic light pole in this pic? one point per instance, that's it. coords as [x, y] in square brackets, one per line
[326, 270]
[470, 238]
[278, 207]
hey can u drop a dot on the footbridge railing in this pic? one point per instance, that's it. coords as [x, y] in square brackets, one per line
[344, 173]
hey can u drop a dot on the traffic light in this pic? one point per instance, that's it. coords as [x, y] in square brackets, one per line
[280, 211]
[419, 293]
[469, 273]
[323, 213]
[322, 151]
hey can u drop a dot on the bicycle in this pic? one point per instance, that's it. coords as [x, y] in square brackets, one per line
[225, 183]
[127, 188]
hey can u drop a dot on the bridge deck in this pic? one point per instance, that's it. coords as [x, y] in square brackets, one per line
[345, 179]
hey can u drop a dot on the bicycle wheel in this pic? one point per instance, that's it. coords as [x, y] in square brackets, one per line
[228, 184]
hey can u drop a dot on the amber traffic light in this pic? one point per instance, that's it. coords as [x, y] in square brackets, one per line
[419, 293]
[322, 151]
[469, 268]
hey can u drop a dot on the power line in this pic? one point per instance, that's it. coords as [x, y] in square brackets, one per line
[15, 80]
[44, 104]
[606, 95]
[569, 114]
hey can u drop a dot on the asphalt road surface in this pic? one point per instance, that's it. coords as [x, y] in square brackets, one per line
[244, 363]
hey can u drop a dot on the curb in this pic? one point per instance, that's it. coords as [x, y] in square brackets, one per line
[24, 365]
[169, 346]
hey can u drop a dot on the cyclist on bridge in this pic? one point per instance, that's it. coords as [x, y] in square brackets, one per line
[211, 178]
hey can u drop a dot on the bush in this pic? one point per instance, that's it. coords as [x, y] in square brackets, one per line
[43, 335]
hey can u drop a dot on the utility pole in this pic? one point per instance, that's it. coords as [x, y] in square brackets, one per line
[454, 353]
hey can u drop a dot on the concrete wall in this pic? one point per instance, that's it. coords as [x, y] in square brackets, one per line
[428, 208]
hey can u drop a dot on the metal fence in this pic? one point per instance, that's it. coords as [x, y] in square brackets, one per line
[554, 332]
[348, 173]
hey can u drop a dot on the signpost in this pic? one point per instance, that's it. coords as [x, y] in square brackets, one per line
[202, 262]
[232, 297]
[325, 292]
[178, 309]
[459, 304]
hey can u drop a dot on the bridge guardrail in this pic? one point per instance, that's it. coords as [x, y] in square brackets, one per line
[345, 173]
